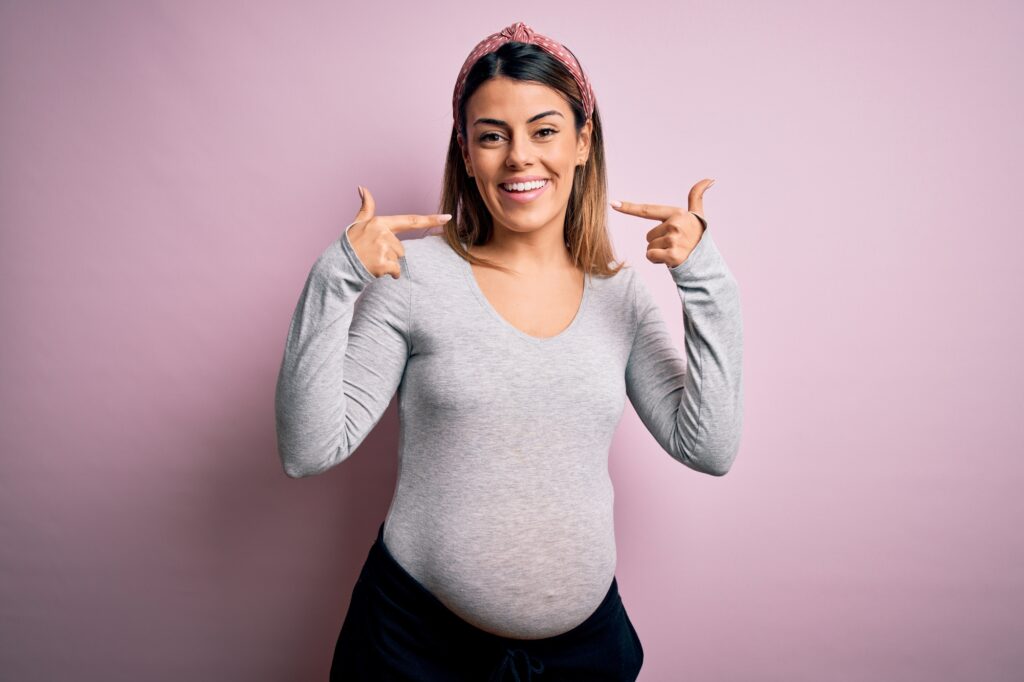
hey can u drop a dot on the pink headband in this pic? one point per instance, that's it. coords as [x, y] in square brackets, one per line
[522, 33]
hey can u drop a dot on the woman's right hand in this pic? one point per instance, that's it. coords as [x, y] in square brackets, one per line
[373, 237]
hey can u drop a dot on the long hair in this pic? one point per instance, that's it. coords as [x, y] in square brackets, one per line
[586, 219]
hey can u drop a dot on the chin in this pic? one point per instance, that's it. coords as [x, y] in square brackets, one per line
[526, 216]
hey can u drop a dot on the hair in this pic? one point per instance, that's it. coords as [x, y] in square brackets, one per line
[586, 220]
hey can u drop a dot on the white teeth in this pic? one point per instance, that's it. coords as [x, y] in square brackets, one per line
[525, 186]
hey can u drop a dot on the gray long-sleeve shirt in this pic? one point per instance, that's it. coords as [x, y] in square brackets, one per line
[503, 504]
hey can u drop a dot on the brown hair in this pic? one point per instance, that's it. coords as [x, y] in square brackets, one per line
[586, 219]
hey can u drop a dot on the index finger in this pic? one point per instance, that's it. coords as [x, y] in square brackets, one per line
[652, 211]
[411, 221]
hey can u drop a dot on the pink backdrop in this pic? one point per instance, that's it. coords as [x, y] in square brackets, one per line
[170, 170]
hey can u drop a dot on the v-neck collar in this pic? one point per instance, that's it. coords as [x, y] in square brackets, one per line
[467, 269]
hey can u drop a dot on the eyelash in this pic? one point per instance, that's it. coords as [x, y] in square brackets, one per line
[483, 138]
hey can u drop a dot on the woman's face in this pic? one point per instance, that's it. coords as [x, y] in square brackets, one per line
[519, 128]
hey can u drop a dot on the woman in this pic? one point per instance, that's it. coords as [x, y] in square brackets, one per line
[513, 342]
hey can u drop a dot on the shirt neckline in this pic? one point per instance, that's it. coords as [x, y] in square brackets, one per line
[467, 271]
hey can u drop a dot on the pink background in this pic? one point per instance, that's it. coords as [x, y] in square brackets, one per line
[170, 170]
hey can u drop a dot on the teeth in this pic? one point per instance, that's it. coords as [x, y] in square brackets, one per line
[524, 186]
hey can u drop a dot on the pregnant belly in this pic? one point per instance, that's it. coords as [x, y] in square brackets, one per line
[532, 566]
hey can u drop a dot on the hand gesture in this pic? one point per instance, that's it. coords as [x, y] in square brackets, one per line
[671, 241]
[373, 237]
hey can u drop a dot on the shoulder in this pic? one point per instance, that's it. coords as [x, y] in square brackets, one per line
[631, 293]
[428, 248]
[613, 298]
[429, 259]
[618, 286]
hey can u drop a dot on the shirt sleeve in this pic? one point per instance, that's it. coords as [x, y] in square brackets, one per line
[342, 362]
[694, 411]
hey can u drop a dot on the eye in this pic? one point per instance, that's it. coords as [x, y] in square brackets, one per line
[490, 137]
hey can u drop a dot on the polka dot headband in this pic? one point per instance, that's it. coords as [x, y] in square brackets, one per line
[522, 33]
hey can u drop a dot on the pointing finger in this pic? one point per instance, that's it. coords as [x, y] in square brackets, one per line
[652, 211]
[409, 222]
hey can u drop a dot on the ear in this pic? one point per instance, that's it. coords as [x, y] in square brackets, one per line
[467, 161]
[583, 141]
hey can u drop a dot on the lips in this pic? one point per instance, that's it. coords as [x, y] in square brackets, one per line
[523, 197]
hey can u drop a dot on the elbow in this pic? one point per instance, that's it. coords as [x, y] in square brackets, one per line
[296, 467]
[301, 466]
[712, 466]
[296, 460]
[718, 469]
[297, 470]
[720, 462]
[705, 463]
[713, 460]
[301, 469]
[718, 466]
[304, 453]
[714, 451]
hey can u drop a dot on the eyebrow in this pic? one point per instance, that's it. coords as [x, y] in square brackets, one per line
[499, 122]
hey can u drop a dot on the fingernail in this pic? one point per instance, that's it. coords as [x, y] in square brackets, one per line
[616, 204]
[446, 217]
[360, 188]
[710, 183]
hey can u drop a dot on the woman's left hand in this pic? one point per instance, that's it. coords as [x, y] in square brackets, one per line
[671, 241]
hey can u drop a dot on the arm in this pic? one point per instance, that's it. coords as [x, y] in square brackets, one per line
[695, 412]
[342, 363]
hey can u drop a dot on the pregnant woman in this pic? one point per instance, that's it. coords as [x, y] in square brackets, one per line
[513, 340]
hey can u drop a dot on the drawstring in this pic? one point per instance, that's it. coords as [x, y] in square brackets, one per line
[508, 670]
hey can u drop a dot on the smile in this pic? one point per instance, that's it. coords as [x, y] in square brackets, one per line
[528, 192]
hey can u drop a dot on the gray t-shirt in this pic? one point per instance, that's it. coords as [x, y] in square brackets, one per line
[503, 504]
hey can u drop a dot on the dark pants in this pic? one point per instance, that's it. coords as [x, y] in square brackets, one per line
[397, 630]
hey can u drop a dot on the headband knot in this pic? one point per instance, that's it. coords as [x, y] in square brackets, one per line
[521, 33]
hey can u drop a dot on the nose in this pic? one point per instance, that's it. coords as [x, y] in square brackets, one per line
[520, 152]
